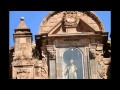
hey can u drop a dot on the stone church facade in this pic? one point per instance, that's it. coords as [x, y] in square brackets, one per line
[69, 45]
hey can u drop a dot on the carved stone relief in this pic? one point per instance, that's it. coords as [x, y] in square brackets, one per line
[92, 53]
[106, 66]
[71, 42]
[44, 69]
[70, 18]
[22, 62]
[103, 64]
[23, 73]
[23, 53]
[41, 69]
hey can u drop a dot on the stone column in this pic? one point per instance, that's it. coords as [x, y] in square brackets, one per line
[58, 64]
[52, 58]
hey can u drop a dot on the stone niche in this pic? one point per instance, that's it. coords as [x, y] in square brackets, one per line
[62, 61]
[80, 44]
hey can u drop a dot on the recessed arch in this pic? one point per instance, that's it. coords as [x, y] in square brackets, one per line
[77, 56]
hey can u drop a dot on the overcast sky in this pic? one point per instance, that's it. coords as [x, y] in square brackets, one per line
[34, 18]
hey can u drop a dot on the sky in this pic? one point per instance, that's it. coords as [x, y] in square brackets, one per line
[33, 20]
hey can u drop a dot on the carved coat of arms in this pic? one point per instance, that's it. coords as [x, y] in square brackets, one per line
[70, 18]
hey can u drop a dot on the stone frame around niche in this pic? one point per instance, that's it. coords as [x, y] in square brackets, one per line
[59, 57]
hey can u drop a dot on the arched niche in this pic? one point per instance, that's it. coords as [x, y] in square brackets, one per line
[77, 56]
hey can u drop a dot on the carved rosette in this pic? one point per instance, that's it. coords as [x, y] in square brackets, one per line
[70, 18]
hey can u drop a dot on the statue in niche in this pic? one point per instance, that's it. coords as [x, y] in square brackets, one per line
[71, 71]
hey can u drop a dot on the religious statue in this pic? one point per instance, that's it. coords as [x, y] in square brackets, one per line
[71, 71]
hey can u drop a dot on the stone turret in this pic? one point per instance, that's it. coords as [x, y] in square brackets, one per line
[22, 65]
[23, 41]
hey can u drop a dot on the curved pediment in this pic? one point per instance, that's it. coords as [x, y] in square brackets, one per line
[53, 22]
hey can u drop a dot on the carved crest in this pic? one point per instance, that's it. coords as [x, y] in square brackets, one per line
[70, 18]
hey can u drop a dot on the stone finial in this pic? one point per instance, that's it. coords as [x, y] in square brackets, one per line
[22, 24]
[22, 18]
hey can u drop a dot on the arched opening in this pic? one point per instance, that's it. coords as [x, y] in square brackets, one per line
[73, 64]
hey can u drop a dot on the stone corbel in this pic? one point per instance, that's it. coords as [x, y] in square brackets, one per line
[99, 47]
[99, 52]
